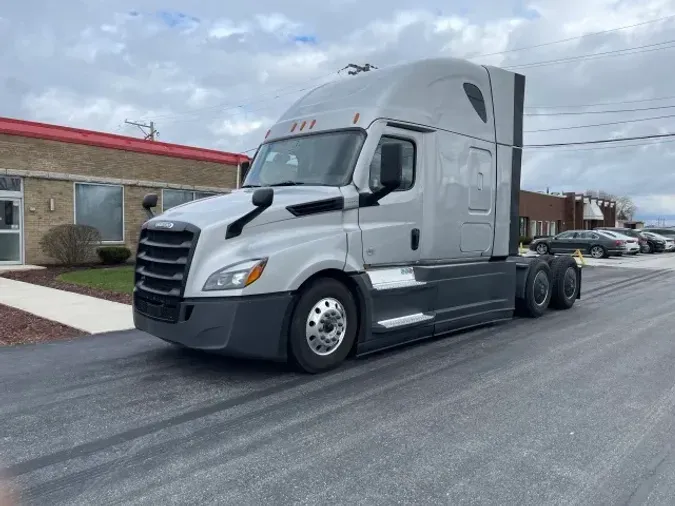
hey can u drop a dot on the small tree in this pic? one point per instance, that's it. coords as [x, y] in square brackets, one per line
[71, 244]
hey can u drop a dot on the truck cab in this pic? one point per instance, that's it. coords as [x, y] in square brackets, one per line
[379, 209]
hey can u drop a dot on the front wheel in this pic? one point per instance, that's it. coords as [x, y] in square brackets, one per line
[542, 248]
[323, 327]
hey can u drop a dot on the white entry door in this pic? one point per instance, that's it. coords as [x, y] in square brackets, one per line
[11, 231]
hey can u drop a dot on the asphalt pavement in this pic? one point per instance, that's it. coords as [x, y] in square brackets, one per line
[573, 408]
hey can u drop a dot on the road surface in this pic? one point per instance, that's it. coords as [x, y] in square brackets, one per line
[573, 408]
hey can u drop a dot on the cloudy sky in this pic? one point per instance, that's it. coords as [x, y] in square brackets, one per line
[218, 74]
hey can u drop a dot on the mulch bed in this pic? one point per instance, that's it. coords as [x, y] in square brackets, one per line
[19, 327]
[47, 277]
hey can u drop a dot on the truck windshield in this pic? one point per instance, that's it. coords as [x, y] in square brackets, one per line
[325, 159]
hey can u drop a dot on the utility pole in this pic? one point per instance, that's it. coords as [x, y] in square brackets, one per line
[357, 69]
[149, 136]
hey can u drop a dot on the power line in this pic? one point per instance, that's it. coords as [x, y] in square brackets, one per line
[560, 41]
[600, 141]
[605, 54]
[657, 142]
[593, 56]
[600, 104]
[610, 111]
[230, 106]
[601, 124]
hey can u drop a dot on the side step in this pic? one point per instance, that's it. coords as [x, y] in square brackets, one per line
[402, 322]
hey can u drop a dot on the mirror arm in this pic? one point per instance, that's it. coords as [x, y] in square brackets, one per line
[373, 198]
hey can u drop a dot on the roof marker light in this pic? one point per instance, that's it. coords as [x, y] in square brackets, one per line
[267, 134]
[302, 127]
[311, 125]
[293, 127]
[356, 118]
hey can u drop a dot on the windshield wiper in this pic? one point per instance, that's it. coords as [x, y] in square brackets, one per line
[288, 183]
[251, 186]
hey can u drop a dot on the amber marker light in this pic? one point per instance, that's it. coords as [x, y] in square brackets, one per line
[256, 272]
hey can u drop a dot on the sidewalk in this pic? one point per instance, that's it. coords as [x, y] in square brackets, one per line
[81, 312]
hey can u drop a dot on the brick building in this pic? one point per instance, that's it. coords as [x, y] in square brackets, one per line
[52, 175]
[551, 213]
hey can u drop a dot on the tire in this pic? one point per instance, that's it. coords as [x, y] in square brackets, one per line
[598, 251]
[542, 248]
[536, 300]
[565, 282]
[317, 351]
[649, 249]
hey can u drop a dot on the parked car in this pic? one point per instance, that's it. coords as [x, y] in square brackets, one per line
[667, 242]
[589, 242]
[632, 244]
[667, 232]
[647, 245]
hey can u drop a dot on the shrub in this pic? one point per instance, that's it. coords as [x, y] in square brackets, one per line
[113, 255]
[525, 240]
[70, 244]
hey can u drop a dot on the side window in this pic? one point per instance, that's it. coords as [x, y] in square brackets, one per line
[477, 101]
[409, 155]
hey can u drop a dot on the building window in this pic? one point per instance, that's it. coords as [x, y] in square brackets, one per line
[101, 206]
[523, 226]
[173, 198]
[10, 184]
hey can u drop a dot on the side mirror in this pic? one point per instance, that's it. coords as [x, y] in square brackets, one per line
[149, 202]
[391, 166]
[263, 197]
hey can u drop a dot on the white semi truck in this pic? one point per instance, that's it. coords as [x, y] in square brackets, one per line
[380, 209]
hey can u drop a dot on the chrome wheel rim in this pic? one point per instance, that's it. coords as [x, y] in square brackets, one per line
[326, 326]
[541, 249]
[596, 252]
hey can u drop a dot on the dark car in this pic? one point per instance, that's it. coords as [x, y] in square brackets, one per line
[647, 244]
[667, 232]
[587, 241]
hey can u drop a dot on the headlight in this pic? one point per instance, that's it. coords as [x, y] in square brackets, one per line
[235, 276]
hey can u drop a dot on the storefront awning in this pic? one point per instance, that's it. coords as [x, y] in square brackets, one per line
[592, 211]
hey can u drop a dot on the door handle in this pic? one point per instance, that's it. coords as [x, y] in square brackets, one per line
[415, 238]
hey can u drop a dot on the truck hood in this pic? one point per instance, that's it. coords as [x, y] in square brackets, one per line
[224, 209]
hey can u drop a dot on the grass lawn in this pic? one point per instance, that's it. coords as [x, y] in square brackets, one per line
[114, 279]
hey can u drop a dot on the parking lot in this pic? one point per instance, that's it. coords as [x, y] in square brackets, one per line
[573, 408]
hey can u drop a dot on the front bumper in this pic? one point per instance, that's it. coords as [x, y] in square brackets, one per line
[247, 327]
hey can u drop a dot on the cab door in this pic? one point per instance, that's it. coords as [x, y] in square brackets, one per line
[391, 229]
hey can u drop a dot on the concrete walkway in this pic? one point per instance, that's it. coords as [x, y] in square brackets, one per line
[81, 312]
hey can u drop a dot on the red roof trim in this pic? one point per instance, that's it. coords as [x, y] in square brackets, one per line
[59, 133]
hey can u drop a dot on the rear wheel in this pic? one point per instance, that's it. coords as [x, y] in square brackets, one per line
[537, 290]
[649, 248]
[323, 327]
[565, 282]
[598, 252]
